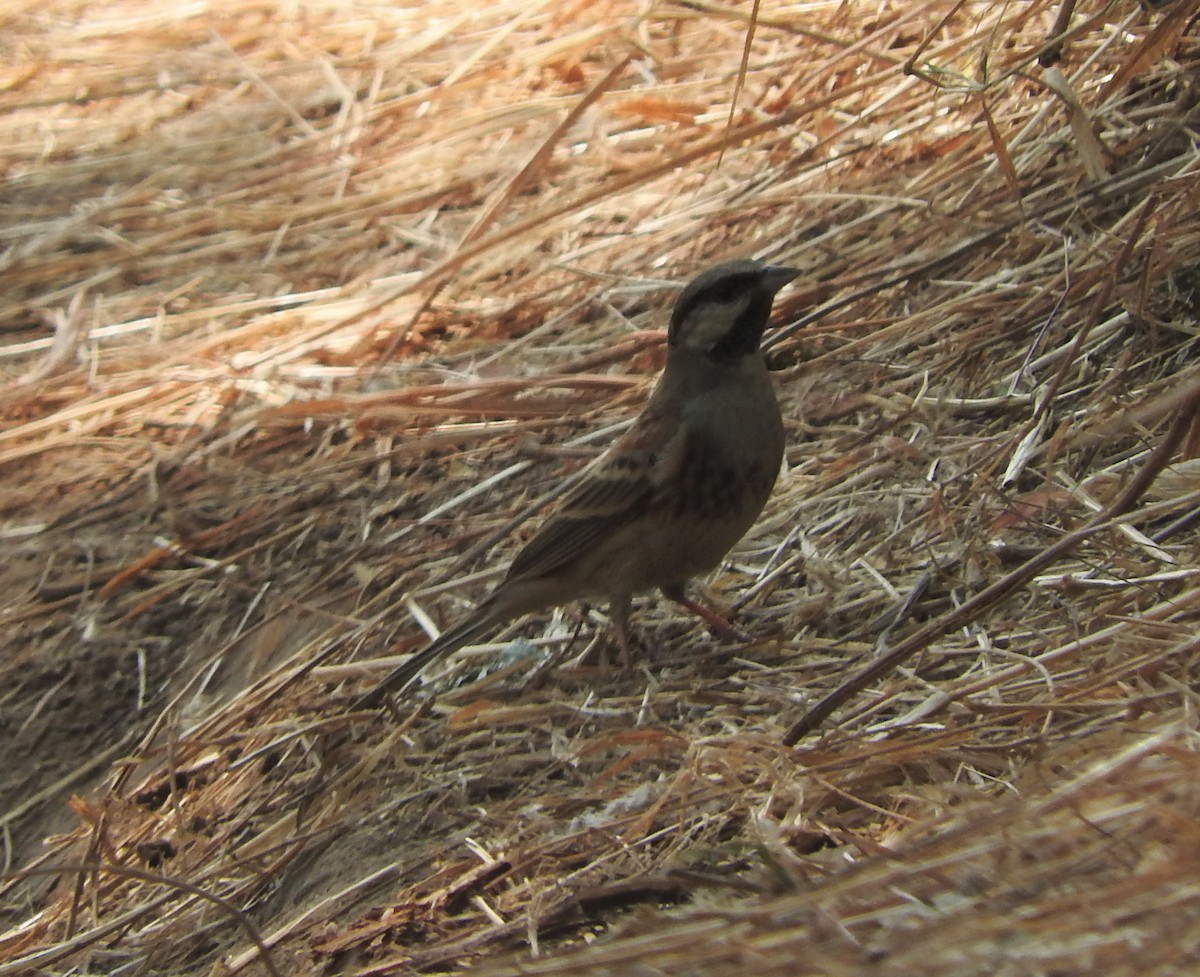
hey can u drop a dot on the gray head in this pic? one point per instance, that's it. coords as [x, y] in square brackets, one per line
[723, 311]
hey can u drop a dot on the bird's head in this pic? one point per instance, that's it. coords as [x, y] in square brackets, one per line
[722, 312]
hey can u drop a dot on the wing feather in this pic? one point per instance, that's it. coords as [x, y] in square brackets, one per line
[621, 486]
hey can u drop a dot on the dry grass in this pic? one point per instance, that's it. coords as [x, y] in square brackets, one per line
[307, 306]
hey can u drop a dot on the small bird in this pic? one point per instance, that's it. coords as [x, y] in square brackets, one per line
[667, 501]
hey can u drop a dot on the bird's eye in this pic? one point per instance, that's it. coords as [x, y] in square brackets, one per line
[725, 292]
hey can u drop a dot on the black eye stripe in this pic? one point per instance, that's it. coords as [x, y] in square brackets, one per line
[723, 291]
[728, 289]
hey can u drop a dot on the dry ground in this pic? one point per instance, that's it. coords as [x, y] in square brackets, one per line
[307, 306]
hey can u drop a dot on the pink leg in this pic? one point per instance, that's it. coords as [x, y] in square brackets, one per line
[618, 610]
[706, 614]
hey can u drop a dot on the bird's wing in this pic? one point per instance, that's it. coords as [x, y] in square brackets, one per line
[621, 486]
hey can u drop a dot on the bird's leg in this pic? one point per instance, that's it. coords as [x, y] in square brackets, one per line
[706, 614]
[618, 610]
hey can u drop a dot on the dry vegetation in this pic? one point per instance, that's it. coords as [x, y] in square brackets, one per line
[307, 306]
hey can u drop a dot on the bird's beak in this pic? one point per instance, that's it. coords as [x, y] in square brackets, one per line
[776, 276]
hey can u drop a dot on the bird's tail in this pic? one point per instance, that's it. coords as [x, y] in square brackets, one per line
[477, 623]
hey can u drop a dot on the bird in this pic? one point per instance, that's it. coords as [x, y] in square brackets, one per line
[670, 497]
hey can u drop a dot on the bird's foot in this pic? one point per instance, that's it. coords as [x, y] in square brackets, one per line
[712, 619]
[626, 647]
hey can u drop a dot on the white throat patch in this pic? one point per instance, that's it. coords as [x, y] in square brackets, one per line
[709, 322]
